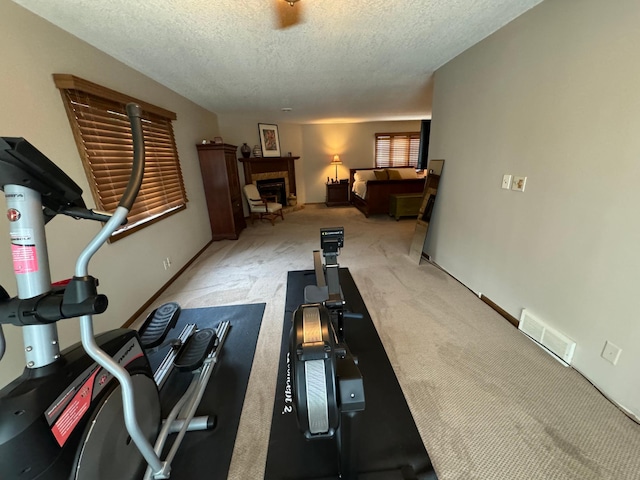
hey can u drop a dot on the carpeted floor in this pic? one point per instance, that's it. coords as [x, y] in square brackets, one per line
[487, 402]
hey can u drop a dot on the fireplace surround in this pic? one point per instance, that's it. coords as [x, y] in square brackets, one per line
[271, 168]
[273, 186]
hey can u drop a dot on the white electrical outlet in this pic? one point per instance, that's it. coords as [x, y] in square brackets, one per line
[518, 183]
[506, 182]
[611, 352]
[168, 262]
[165, 264]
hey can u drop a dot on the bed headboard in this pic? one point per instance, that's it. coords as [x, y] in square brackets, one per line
[352, 171]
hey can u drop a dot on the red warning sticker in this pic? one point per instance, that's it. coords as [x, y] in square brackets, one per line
[25, 258]
[73, 413]
[74, 403]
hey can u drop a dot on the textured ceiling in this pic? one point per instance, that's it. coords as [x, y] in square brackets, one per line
[337, 60]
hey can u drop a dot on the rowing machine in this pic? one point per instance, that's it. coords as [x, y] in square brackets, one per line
[327, 384]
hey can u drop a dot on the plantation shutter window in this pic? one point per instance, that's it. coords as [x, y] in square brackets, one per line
[103, 136]
[397, 149]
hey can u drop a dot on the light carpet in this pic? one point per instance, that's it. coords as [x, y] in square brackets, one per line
[488, 403]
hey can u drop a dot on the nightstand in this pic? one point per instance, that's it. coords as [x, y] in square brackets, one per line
[337, 194]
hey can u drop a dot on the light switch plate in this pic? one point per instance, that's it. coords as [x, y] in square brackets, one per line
[611, 352]
[506, 182]
[518, 183]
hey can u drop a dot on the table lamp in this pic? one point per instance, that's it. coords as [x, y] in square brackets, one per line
[336, 161]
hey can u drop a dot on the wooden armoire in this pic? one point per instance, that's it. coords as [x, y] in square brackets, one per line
[219, 169]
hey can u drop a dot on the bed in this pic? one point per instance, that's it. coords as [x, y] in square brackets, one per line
[370, 188]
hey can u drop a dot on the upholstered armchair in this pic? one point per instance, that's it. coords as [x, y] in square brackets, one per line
[261, 206]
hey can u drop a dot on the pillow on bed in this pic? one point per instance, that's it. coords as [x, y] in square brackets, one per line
[381, 174]
[408, 173]
[394, 174]
[364, 175]
[402, 174]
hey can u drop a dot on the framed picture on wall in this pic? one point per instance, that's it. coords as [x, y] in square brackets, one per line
[269, 140]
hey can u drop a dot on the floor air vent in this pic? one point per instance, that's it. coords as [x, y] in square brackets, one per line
[554, 342]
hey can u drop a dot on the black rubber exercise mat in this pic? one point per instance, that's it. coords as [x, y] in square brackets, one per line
[207, 454]
[386, 441]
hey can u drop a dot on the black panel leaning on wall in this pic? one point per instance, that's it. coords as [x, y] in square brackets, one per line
[423, 155]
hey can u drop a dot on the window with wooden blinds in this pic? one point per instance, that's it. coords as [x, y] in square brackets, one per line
[103, 136]
[397, 149]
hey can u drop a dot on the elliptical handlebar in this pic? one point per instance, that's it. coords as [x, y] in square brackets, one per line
[159, 468]
[128, 197]
[80, 296]
[85, 213]
[135, 181]
[134, 112]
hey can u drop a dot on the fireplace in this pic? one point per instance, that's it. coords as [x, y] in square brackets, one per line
[273, 186]
[272, 169]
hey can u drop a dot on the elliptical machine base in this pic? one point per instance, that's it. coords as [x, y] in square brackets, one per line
[54, 419]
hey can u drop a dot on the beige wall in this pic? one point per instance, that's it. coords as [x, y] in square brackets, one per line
[131, 270]
[553, 96]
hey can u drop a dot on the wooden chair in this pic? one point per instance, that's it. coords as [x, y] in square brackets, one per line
[261, 206]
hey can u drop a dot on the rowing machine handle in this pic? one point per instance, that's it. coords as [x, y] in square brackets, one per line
[135, 181]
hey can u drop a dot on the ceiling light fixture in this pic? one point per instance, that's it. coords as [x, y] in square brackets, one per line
[291, 2]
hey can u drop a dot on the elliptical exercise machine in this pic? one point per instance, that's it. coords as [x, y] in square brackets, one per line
[327, 385]
[93, 410]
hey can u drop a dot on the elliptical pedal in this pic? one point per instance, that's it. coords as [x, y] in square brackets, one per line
[198, 346]
[158, 323]
[166, 367]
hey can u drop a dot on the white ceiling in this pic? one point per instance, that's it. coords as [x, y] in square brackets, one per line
[344, 61]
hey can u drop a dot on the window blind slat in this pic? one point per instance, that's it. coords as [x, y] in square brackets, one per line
[397, 149]
[103, 136]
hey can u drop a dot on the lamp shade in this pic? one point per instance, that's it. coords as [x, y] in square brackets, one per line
[336, 160]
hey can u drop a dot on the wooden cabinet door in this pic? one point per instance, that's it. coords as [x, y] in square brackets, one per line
[222, 190]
